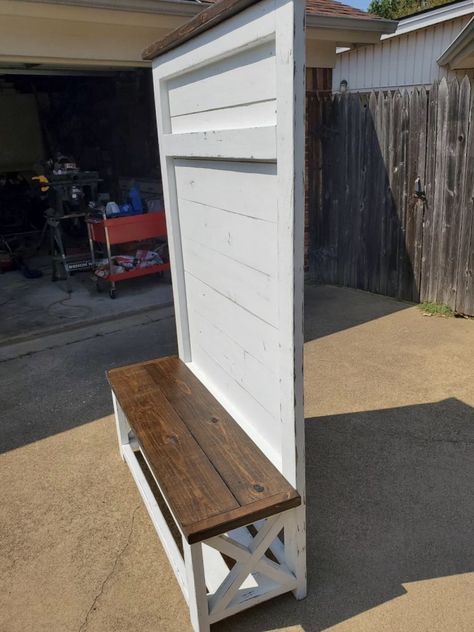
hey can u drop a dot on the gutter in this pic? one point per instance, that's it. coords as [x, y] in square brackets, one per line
[185, 8]
[372, 25]
[190, 8]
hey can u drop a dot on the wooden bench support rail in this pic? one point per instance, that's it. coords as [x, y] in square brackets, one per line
[213, 588]
[157, 518]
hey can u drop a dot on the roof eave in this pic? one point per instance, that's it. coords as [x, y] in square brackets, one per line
[373, 25]
[457, 45]
[185, 8]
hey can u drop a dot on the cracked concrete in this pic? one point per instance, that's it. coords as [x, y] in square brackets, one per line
[93, 606]
[390, 472]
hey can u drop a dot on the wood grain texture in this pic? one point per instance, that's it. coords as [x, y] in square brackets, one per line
[210, 472]
[372, 231]
[212, 87]
[202, 22]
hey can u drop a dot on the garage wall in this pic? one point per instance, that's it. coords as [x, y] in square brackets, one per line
[20, 132]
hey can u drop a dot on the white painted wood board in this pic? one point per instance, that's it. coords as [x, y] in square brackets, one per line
[230, 112]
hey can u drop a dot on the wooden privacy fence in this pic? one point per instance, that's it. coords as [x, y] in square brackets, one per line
[372, 227]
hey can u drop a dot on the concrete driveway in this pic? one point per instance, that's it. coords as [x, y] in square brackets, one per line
[390, 474]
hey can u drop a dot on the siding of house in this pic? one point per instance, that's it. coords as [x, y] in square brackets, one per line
[402, 61]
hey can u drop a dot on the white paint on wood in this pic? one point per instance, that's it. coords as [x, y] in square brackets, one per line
[196, 585]
[263, 274]
[259, 114]
[229, 82]
[257, 380]
[252, 143]
[254, 290]
[219, 601]
[240, 404]
[121, 425]
[235, 236]
[227, 39]
[255, 336]
[291, 160]
[159, 522]
[406, 60]
[215, 568]
[230, 109]
[245, 188]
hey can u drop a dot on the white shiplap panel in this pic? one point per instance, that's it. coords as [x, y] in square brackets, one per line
[244, 188]
[252, 334]
[230, 112]
[245, 78]
[267, 433]
[236, 236]
[250, 143]
[255, 291]
[259, 381]
[259, 114]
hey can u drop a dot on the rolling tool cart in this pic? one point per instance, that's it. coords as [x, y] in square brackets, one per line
[120, 230]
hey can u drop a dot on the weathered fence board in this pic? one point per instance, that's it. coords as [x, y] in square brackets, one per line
[369, 228]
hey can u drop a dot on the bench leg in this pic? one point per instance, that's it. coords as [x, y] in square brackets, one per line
[295, 549]
[196, 584]
[122, 425]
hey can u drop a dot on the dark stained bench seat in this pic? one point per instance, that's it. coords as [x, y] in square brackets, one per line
[212, 475]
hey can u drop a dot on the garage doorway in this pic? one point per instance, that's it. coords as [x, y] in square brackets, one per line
[94, 133]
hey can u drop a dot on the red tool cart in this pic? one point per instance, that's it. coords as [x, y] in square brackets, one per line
[121, 230]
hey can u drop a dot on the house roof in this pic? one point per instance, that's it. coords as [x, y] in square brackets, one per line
[332, 8]
[337, 9]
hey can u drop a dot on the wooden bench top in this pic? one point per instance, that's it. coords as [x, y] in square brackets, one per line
[210, 472]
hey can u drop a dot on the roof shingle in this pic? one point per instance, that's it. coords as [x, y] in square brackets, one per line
[335, 9]
[331, 8]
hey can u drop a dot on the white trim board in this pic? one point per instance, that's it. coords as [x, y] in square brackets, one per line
[237, 171]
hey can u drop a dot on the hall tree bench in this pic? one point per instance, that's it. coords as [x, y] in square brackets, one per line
[220, 427]
[214, 480]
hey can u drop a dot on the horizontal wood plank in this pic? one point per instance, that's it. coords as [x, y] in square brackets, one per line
[258, 114]
[252, 143]
[230, 234]
[259, 381]
[236, 80]
[212, 475]
[242, 188]
[171, 451]
[255, 336]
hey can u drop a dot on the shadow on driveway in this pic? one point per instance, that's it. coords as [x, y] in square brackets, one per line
[389, 502]
[329, 309]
